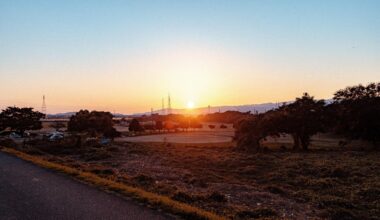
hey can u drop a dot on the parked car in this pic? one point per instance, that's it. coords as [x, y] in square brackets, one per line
[55, 136]
[15, 135]
[104, 141]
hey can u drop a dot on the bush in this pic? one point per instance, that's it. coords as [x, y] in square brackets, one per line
[7, 142]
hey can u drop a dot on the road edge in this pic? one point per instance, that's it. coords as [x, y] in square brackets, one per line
[158, 201]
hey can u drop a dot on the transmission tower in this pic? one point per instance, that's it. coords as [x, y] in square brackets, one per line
[43, 108]
[163, 106]
[169, 105]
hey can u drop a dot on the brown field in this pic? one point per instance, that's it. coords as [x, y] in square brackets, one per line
[183, 137]
[326, 182]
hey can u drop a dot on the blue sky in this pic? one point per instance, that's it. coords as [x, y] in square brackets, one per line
[126, 55]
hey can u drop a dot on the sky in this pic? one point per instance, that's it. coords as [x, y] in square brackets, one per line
[124, 56]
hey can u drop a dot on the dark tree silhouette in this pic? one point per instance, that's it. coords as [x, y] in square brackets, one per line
[302, 119]
[2, 124]
[111, 133]
[194, 123]
[224, 117]
[250, 132]
[135, 126]
[94, 122]
[21, 119]
[357, 110]
[184, 124]
[159, 125]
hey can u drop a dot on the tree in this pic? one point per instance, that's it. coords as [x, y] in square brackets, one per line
[357, 110]
[135, 126]
[21, 119]
[2, 125]
[111, 133]
[302, 119]
[184, 124]
[159, 125]
[194, 123]
[251, 131]
[94, 122]
[79, 122]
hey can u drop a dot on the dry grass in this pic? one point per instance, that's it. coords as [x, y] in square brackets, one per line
[327, 182]
[156, 200]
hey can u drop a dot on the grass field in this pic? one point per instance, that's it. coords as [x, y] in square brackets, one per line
[183, 137]
[326, 182]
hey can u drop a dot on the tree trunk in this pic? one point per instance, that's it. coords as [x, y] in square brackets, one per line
[296, 141]
[305, 142]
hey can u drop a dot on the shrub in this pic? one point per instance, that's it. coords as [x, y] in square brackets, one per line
[7, 142]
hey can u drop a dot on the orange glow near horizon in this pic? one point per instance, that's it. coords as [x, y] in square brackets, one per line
[197, 73]
[125, 56]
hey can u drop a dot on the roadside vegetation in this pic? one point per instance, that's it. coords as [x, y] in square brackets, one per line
[308, 159]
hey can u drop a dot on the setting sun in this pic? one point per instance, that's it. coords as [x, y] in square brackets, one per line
[190, 104]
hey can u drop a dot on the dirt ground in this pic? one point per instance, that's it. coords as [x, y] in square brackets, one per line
[327, 182]
[184, 137]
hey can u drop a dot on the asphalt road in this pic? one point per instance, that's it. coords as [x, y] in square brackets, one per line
[31, 192]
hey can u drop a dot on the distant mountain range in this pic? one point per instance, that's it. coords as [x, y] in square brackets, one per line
[205, 110]
[253, 108]
[212, 109]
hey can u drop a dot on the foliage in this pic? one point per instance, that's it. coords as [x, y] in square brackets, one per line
[20, 119]
[135, 126]
[159, 125]
[357, 110]
[301, 119]
[94, 122]
[251, 131]
[111, 133]
[225, 117]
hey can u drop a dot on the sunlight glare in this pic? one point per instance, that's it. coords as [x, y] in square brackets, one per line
[190, 104]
